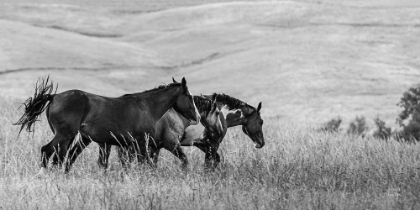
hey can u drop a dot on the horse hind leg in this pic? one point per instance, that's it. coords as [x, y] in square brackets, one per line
[179, 153]
[80, 142]
[57, 145]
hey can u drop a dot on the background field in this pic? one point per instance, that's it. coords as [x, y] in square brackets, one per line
[307, 61]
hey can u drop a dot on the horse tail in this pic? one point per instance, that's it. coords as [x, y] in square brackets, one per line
[37, 104]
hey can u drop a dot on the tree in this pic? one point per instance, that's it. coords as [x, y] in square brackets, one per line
[410, 102]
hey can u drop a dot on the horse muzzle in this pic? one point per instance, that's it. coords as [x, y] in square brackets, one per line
[259, 145]
[196, 121]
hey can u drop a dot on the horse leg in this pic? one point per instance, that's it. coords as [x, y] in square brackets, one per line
[59, 155]
[212, 158]
[104, 152]
[179, 153]
[75, 151]
[141, 147]
[58, 145]
[154, 155]
[125, 156]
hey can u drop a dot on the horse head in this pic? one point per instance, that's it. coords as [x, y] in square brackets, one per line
[213, 120]
[185, 104]
[252, 126]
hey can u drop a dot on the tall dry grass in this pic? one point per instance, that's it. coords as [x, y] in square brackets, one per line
[298, 168]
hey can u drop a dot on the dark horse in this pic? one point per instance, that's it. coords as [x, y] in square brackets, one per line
[124, 121]
[207, 138]
[170, 128]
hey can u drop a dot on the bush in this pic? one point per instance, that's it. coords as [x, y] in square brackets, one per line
[332, 126]
[358, 126]
[381, 132]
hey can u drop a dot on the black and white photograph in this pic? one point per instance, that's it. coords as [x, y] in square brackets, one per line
[209, 104]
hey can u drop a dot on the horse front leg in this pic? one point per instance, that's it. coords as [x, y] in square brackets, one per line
[154, 155]
[212, 157]
[146, 149]
[104, 152]
[125, 155]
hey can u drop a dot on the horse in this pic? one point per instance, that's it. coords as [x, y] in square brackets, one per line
[170, 128]
[236, 113]
[124, 121]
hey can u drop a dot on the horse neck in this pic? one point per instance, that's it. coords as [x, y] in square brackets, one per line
[185, 121]
[160, 101]
[203, 110]
[233, 119]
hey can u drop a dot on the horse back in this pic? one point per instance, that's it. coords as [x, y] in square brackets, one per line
[120, 116]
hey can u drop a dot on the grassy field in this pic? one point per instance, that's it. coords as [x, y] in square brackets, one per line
[306, 60]
[297, 169]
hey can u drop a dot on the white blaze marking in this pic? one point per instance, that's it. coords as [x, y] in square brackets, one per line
[196, 110]
[225, 110]
[220, 122]
[242, 114]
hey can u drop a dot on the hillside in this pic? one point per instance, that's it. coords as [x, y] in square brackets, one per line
[306, 61]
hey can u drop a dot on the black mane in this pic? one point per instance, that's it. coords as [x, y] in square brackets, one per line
[232, 102]
[154, 89]
[203, 104]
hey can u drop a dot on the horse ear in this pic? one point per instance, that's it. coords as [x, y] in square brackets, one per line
[259, 107]
[214, 107]
[184, 82]
[174, 80]
[214, 97]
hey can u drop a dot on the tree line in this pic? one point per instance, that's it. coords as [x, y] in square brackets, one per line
[408, 121]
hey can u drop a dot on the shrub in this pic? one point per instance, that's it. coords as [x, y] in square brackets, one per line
[331, 126]
[358, 126]
[381, 132]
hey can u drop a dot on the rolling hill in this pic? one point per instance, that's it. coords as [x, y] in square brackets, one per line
[307, 61]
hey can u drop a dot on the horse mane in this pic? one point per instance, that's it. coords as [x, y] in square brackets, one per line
[154, 89]
[203, 104]
[232, 102]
